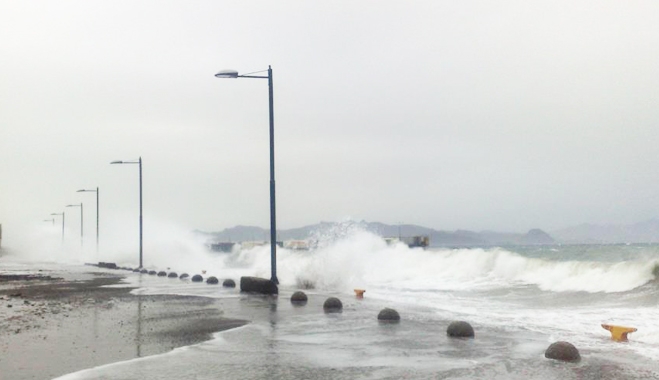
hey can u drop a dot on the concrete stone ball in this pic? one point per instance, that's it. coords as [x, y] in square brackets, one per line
[162, 273]
[152, 272]
[197, 278]
[144, 271]
[184, 276]
[333, 305]
[229, 283]
[563, 351]
[137, 270]
[388, 315]
[460, 329]
[299, 298]
[212, 280]
[172, 275]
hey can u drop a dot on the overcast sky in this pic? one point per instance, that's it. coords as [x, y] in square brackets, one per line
[501, 115]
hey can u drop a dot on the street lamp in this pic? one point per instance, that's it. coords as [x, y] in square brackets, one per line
[139, 162]
[273, 219]
[61, 213]
[97, 193]
[50, 220]
[80, 205]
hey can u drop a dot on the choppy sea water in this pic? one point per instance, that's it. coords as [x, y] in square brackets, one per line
[518, 299]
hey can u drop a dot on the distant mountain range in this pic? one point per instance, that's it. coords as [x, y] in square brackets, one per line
[437, 238]
[643, 232]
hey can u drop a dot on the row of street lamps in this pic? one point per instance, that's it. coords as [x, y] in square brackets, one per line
[97, 191]
[63, 215]
[273, 216]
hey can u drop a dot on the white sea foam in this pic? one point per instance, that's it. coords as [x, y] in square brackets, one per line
[363, 259]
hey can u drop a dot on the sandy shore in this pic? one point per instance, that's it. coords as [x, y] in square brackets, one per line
[54, 323]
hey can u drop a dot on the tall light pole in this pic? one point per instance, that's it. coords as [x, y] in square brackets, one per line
[50, 220]
[61, 213]
[80, 205]
[139, 162]
[273, 214]
[97, 195]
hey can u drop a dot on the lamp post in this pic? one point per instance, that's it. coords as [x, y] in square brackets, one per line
[80, 205]
[139, 162]
[61, 213]
[50, 220]
[97, 195]
[273, 218]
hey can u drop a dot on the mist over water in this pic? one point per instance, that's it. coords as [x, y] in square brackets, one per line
[348, 257]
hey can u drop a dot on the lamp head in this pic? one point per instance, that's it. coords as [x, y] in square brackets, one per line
[227, 74]
[116, 162]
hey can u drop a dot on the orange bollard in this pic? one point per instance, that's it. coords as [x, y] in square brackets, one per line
[619, 333]
[359, 293]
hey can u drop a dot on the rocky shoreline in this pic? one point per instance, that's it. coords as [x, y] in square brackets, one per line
[52, 323]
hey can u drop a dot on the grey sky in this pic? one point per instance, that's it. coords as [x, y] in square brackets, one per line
[503, 115]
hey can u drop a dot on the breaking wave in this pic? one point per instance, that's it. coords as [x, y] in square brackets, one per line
[363, 259]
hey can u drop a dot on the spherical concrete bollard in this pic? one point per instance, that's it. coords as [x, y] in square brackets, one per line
[229, 283]
[460, 329]
[172, 275]
[212, 280]
[162, 273]
[144, 271]
[563, 351]
[197, 278]
[299, 298]
[137, 270]
[333, 305]
[152, 272]
[183, 276]
[388, 315]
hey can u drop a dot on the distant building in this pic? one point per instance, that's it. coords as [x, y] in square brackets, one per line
[422, 241]
[298, 245]
[251, 244]
[221, 246]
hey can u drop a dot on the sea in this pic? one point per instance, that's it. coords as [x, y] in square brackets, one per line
[519, 300]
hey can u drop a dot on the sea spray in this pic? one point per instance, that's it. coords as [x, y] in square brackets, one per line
[347, 256]
[364, 259]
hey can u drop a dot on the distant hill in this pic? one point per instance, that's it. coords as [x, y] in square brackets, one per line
[642, 232]
[458, 238]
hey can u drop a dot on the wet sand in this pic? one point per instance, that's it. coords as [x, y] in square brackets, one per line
[55, 323]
